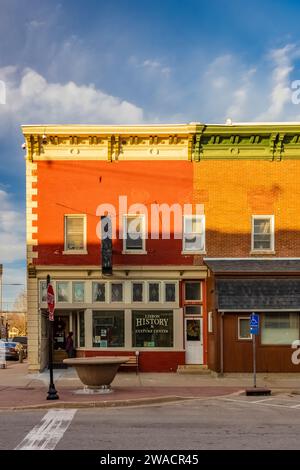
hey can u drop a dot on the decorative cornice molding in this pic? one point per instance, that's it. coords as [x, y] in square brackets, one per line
[192, 142]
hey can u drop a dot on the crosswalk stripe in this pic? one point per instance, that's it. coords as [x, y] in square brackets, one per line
[47, 434]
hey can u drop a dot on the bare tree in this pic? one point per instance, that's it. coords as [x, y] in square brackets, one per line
[17, 320]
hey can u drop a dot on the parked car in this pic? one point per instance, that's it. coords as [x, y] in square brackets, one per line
[13, 350]
[23, 341]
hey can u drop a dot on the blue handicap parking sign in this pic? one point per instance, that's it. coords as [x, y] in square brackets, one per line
[254, 324]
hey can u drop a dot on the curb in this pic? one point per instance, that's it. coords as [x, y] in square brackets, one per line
[99, 404]
[113, 403]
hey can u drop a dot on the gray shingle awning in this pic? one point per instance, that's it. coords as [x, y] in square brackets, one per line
[243, 266]
[258, 294]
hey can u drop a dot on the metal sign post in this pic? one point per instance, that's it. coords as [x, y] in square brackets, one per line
[254, 360]
[254, 330]
[52, 393]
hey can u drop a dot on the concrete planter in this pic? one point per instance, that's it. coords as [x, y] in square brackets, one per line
[97, 372]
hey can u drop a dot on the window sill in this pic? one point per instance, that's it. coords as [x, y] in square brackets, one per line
[75, 252]
[262, 252]
[134, 252]
[193, 252]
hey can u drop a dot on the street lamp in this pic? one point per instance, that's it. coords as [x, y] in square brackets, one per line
[52, 393]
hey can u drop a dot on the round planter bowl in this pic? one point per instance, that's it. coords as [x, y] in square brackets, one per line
[96, 372]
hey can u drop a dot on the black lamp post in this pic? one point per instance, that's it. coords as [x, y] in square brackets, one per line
[52, 393]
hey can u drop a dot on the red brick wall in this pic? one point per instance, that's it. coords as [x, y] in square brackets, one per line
[149, 361]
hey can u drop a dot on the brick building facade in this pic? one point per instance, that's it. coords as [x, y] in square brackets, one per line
[163, 298]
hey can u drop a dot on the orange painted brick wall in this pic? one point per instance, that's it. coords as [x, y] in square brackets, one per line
[70, 187]
[233, 191]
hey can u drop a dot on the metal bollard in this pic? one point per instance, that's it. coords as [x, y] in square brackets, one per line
[21, 356]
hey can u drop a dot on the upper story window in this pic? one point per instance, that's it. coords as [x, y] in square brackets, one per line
[134, 234]
[193, 233]
[262, 233]
[75, 233]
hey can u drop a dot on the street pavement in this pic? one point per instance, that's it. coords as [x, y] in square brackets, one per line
[230, 422]
[148, 411]
[21, 390]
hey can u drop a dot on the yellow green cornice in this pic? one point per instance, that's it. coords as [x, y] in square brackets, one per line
[265, 141]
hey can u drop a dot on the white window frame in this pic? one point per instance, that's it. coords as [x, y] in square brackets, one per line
[75, 252]
[141, 251]
[186, 251]
[272, 240]
[239, 331]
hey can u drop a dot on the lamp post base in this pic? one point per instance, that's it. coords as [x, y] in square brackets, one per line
[52, 393]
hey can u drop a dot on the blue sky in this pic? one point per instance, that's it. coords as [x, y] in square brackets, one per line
[122, 61]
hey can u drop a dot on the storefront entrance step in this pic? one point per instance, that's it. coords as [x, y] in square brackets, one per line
[200, 369]
[257, 391]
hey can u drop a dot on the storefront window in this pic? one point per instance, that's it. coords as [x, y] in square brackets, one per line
[170, 292]
[62, 292]
[108, 329]
[43, 291]
[137, 292]
[81, 330]
[153, 291]
[78, 291]
[117, 292]
[279, 328]
[152, 329]
[98, 292]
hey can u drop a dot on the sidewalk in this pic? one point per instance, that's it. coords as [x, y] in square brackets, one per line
[20, 390]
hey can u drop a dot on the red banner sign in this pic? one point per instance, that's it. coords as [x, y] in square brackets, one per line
[50, 301]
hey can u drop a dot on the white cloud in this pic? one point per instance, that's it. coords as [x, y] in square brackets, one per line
[36, 24]
[231, 87]
[280, 94]
[12, 231]
[151, 66]
[32, 99]
[241, 96]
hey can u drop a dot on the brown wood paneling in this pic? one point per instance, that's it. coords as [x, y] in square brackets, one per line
[238, 353]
